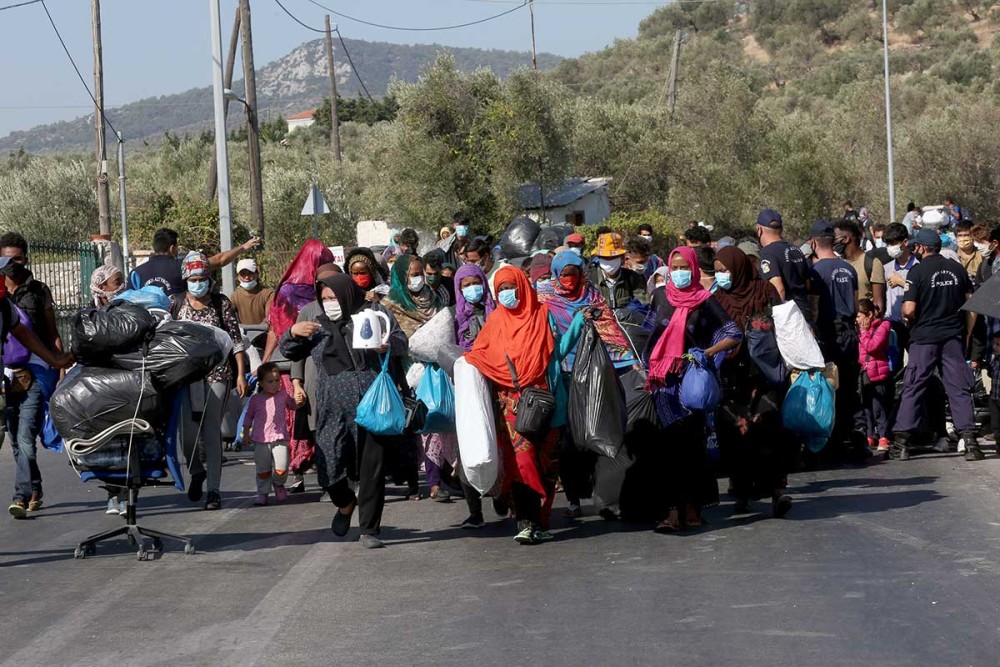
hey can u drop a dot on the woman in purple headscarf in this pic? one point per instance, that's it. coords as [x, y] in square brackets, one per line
[473, 304]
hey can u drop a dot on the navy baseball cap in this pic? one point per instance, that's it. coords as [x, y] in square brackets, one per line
[821, 229]
[769, 218]
[927, 237]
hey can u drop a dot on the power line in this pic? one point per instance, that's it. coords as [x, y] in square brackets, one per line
[353, 68]
[73, 62]
[20, 4]
[523, 3]
[342, 44]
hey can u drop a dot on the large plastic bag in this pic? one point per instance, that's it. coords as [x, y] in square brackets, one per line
[762, 344]
[148, 297]
[447, 356]
[550, 238]
[437, 394]
[381, 410]
[609, 477]
[432, 336]
[699, 386]
[808, 409]
[476, 427]
[95, 399]
[796, 341]
[100, 333]
[179, 353]
[519, 238]
[639, 404]
[597, 415]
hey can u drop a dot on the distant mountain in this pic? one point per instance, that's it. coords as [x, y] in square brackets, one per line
[294, 83]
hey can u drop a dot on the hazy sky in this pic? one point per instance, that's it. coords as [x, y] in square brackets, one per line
[155, 47]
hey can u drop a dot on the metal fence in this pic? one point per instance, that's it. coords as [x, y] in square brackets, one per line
[66, 268]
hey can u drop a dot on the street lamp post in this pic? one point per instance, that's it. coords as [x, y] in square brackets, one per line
[888, 111]
[221, 150]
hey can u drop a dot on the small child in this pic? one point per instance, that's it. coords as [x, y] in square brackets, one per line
[877, 386]
[264, 425]
[995, 390]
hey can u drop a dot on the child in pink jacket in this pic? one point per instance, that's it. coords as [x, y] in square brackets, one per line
[877, 386]
[264, 425]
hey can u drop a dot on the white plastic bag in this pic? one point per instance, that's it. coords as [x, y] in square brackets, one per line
[415, 375]
[796, 341]
[476, 426]
[432, 336]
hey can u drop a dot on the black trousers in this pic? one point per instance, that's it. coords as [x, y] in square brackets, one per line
[371, 486]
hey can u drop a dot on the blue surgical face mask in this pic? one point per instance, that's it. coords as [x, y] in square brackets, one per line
[198, 289]
[681, 278]
[723, 280]
[248, 284]
[473, 293]
[461, 231]
[508, 298]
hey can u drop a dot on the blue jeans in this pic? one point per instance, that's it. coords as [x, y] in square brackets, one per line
[24, 423]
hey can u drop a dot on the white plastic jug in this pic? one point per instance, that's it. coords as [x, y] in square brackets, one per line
[369, 331]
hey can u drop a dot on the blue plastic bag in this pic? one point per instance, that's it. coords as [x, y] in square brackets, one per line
[809, 409]
[381, 410]
[437, 394]
[700, 387]
[149, 296]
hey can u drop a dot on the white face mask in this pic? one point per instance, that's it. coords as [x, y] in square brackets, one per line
[879, 243]
[610, 266]
[332, 309]
[248, 284]
[984, 249]
[894, 251]
[416, 283]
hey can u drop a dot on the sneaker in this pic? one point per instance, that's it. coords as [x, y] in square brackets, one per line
[943, 445]
[871, 442]
[574, 511]
[473, 522]
[214, 501]
[972, 451]
[18, 509]
[298, 486]
[112, 506]
[899, 452]
[195, 490]
[281, 494]
[260, 500]
[122, 508]
[883, 445]
[961, 445]
[781, 505]
[542, 535]
[35, 503]
[341, 523]
[371, 542]
[526, 536]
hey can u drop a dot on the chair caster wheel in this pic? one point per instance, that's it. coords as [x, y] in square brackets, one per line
[143, 554]
[157, 544]
[188, 549]
[79, 553]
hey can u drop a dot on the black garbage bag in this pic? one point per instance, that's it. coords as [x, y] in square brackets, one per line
[639, 404]
[609, 478]
[179, 353]
[519, 237]
[550, 238]
[95, 399]
[596, 399]
[762, 344]
[101, 333]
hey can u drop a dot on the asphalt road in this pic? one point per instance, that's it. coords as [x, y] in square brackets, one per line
[889, 564]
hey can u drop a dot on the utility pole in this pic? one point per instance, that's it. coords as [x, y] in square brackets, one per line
[103, 199]
[253, 129]
[221, 149]
[888, 113]
[234, 42]
[121, 201]
[332, 70]
[534, 55]
[674, 66]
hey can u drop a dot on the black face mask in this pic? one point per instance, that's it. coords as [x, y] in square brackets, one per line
[839, 248]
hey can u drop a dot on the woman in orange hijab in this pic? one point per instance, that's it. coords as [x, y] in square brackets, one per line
[522, 334]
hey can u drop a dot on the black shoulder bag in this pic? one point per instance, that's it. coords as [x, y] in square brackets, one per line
[535, 409]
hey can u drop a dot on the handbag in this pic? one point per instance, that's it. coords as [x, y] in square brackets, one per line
[534, 410]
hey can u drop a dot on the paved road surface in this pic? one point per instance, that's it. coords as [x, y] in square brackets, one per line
[891, 564]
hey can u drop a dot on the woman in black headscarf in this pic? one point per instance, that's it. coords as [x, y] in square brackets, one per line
[345, 451]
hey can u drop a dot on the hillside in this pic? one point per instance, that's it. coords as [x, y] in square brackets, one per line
[289, 85]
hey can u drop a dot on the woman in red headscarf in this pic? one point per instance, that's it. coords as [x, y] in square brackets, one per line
[521, 334]
[689, 319]
[295, 291]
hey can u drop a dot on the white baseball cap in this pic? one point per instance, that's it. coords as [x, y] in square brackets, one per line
[246, 265]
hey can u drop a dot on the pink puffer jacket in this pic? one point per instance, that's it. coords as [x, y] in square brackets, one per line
[873, 350]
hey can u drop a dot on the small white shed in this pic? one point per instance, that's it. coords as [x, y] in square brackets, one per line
[578, 201]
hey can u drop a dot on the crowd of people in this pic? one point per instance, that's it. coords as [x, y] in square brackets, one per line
[884, 303]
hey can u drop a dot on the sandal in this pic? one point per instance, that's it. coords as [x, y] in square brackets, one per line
[413, 493]
[440, 495]
[672, 524]
[693, 518]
